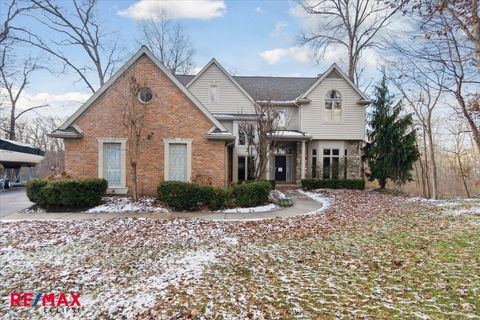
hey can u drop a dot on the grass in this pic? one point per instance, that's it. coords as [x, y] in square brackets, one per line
[371, 256]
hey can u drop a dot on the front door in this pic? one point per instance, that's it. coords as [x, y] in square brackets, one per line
[280, 168]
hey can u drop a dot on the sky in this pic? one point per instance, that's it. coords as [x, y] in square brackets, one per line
[246, 37]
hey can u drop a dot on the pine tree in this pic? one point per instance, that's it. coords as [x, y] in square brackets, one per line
[391, 149]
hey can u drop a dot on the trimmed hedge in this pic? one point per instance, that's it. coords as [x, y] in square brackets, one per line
[187, 196]
[251, 194]
[310, 184]
[66, 193]
[181, 195]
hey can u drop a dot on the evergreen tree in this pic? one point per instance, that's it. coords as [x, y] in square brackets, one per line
[391, 149]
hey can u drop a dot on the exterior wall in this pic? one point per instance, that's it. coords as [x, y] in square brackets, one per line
[169, 115]
[353, 159]
[352, 126]
[231, 98]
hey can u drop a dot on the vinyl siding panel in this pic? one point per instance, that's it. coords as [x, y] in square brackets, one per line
[313, 116]
[231, 98]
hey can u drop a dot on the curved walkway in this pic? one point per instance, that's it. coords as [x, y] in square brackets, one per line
[303, 205]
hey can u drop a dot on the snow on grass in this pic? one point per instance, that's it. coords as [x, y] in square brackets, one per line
[372, 256]
[124, 204]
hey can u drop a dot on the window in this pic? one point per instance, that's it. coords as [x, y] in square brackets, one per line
[281, 118]
[241, 168]
[314, 163]
[177, 159]
[178, 162]
[331, 163]
[112, 166]
[145, 95]
[246, 168]
[213, 94]
[333, 106]
[246, 133]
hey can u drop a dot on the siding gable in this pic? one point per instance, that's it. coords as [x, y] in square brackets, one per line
[231, 98]
[313, 117]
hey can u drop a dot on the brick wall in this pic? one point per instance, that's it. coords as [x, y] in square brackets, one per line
[169, 115]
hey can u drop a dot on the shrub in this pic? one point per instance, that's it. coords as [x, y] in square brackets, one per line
[310, 184]
[182, 195]
[272, 182]
[66, 193]
[220, 199]
[251, 194]
[34, 189]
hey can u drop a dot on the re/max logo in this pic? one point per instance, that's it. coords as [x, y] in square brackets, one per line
[25, 299]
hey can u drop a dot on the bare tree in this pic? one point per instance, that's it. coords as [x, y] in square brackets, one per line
[13, 10]
[134, 111]
[354, 25]
[463, 15]
[80, 29]
[261, 129]
[459, 151]
[168, 42]
[423, 96]
[14, 80]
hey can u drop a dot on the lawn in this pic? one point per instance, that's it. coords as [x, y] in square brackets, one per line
[369, 255]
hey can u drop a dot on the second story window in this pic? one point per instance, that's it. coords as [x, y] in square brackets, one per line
[281, 118]
[246, 134]
[333, 106]
[213, 93]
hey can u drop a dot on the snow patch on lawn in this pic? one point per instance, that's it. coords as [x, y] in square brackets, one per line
[462, 211]
[123, 204]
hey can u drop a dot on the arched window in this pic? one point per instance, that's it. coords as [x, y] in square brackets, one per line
[333, 100]
[333, 106]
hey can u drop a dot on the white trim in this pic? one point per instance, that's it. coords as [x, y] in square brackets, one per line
[214, 61]
[122, 188]
[143, 50]
[343, 75]
[166, 156]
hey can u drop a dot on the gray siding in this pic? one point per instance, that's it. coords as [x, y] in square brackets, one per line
[352, 125]
[231, 98]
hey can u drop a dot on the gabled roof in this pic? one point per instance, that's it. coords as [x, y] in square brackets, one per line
[332, 68]
[143, 51]
[219, 66]
[267, 88]
[261, 88]
[275, 88]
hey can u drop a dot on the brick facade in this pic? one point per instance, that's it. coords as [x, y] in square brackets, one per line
[169, 115]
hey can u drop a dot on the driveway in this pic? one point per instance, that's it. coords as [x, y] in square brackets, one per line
[12, 201]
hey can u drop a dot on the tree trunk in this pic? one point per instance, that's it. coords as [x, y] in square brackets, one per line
[427, 170]
[463, 175]
[383, 183]
[470, 121]
[11, 134]
[434, 164]
[134, 182]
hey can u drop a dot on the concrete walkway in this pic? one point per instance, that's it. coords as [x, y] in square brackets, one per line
[303, 205]
[13, 200]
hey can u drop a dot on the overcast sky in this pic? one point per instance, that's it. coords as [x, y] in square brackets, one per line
[246, 37]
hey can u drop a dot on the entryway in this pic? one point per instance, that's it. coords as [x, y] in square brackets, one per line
[280, 168]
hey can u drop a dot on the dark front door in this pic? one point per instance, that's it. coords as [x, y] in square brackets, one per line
[280, 168]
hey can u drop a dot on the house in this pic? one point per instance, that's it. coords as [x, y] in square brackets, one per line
[192, 127]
